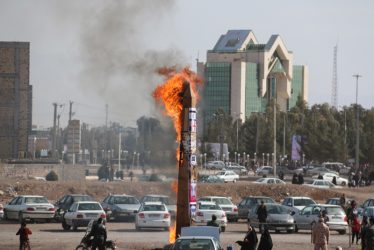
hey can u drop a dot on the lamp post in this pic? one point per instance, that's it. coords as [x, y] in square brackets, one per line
[268, 161]
[357, 161]
[238, 158]
[235, 156]
[34, 146]
[263, 158]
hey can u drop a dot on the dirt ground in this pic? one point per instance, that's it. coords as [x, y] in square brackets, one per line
[238, 190]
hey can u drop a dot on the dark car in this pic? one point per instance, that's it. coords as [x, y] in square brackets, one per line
[249, 202]
[64, 203]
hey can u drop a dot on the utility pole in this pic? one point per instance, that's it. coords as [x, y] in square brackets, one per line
[357, 161]
[106, 115]
[54, 131]
[119, 151]
[70, 110]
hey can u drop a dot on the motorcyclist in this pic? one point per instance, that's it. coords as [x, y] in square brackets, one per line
[99, 235]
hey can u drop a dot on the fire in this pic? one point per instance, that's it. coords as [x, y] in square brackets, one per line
[169, 93]
[172, 233]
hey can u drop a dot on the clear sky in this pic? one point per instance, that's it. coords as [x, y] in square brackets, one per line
[98, 52]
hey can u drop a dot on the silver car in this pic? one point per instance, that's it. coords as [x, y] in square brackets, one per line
[279, 217]
[308, 217]
[172, 208]
[226, 204]
[120, 206]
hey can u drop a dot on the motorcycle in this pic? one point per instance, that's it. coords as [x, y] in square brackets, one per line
[86, 242]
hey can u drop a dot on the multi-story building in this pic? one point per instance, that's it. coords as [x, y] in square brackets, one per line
[15, 99]
[241, 76]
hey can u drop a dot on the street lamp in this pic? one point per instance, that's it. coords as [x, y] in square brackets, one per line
[268, 161]
[34, 145]
[357, 126]
[238, 158]
[235, 156]
[263, 158]
[303, 159]
[205, 160]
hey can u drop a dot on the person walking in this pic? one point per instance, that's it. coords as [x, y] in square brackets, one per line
[213, 222]
[266, 242]
[320, 235]
[250, 240]
[364, 227]
[355, 229]
[262, 214]
[342, 201]
[334, 180]
[24, 233]
[369, 236]
[300, 178]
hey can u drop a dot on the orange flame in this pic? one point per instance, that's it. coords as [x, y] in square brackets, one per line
[172, 233]
[169, 93]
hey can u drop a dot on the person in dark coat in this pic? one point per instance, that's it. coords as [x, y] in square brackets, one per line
[262, 214]
[213, 222]
[334, 180]
[99, 233]
[295, 179]
[266, 243]
[300, 179]
[250, 240]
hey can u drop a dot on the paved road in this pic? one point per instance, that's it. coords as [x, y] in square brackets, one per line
[51, 236]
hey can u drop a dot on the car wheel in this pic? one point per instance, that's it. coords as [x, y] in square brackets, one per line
[234, 180]
[75, 228]
[296, 228]
[277, 231]
[223, 229]
[5, 217]
[342, 232]
[290, 231]
[343, 183]
[138, 228]
[65, 226]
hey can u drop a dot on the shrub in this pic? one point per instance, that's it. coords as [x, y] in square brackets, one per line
[51, 176]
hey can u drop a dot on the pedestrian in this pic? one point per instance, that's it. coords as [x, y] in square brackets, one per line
[369, 235]
[342, 201]
[300, 179]
[355, 229]
[131, 174]
[281, 175]
[250, 240]
[334, 180]
[24, 233]
[262, 214]
[320, 235]
[295, 179]
[320, 177]
[351, 210]
[266, 243]
[364, 227]
[213, 222]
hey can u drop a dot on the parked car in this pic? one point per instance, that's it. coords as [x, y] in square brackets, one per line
[368, 212]
[329, 176]
[152, 215]
[81, 213]
[336, 201]
[269, 181]
[278, 217]
[172, 207]
[197, 242]
[322, 184]
[210, 179]
[29, 207]
[120, 206]
[249, 202]
[319, 171]
[309, 216]
[297, 202]
[65, 202]
[337, 167]
[204, 212]
[226, 204]
[367, 203]
[228, 176]
[215, 165]
[240, 170]
[265, 170]
[1, 211]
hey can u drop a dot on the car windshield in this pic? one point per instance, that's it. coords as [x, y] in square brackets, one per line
[164, 200]
[266, 200]
[274, 209]
[125, 200]
[222, 201]
[335, 210]
[221, 173]
[36, 200]
[89, 206]
[303, 202]
[261, 180]
[82, 198]
[209, 207]
[198, 244]
[153, 208]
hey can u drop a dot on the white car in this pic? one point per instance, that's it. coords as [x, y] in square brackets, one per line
[264, 170]
[322, 184]
[81, 213]
[329, 176]
[172, 208]
[226, 204]
[152, 215]
[269, 180]
[228, 176]
[197, 242]
[29, 207]
[204, 212]
[297, 202]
